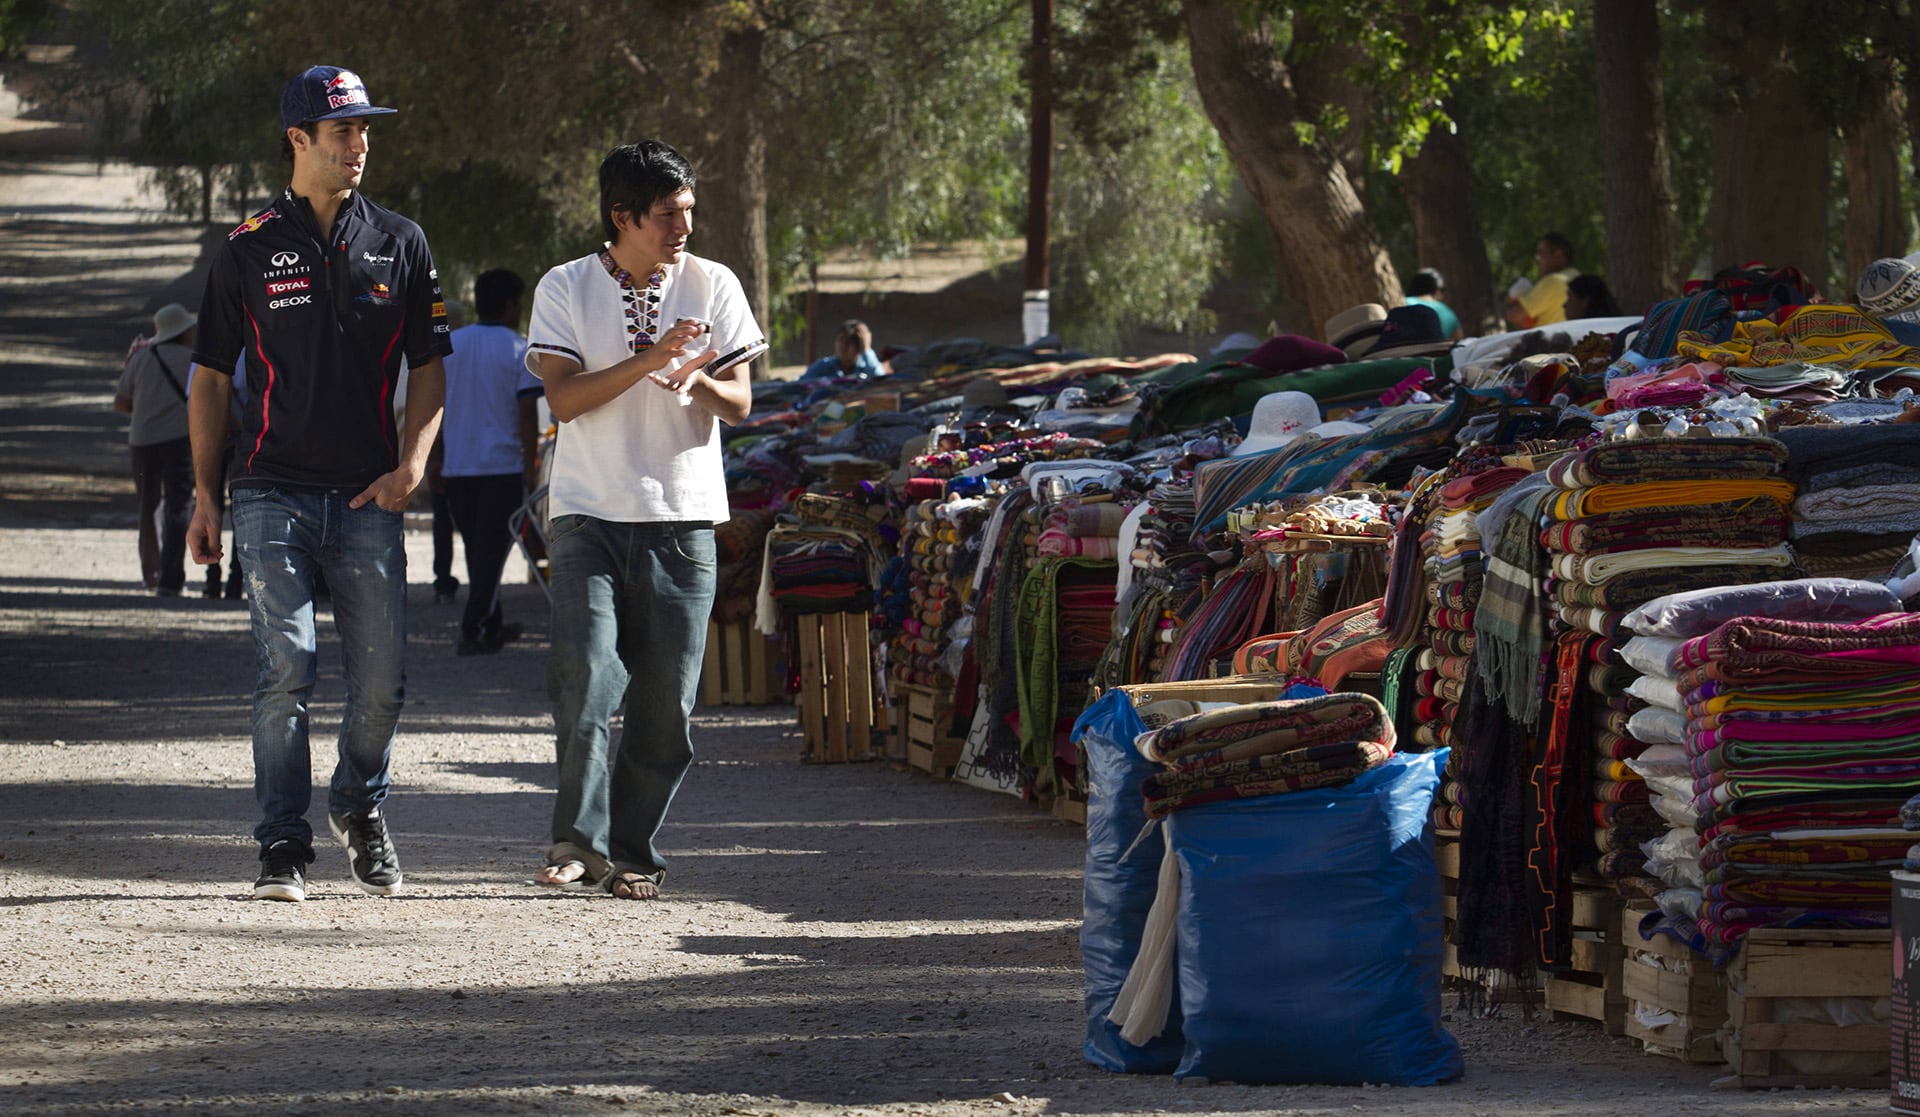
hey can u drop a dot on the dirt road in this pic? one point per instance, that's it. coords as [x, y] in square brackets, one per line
[846, 939]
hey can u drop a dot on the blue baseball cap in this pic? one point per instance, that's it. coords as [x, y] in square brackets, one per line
[323, 93]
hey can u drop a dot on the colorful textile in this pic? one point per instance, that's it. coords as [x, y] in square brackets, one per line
[1260, 728]
[1668, 459]
[1272, 774]
[1757, 523]
[1577, 503]
[1511, 623]
[1757, 645]
[1822, 334]
[1829, 457]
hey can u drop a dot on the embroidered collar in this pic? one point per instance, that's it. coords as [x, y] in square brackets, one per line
[643, 303]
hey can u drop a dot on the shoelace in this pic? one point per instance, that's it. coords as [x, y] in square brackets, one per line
[284, 861]
[369, 831]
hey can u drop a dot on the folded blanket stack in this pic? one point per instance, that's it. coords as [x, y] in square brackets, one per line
[1631, 520]
[1264, 748]
[1859, 496]
[1800, 740]
[1166, 571]
[934, 533]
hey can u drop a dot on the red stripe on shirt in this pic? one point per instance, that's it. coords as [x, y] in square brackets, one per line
[386, 387]
[266, 420]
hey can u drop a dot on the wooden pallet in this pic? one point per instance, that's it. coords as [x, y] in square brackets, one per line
[923, 733]
[1446, 855]
[1663, 974]
[739, 668]
[1591, 988]
[1070, 808]
[1775, 964]
[837, 695]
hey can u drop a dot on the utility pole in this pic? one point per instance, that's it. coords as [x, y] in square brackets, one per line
[1035, 319]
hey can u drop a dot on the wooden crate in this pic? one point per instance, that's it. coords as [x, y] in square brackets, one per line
[1774, 965]
[1591, 989]
[740, 668]
[837, 694]
[1446, 855]
[1663, 974]
[923, 733]
[1071, 808]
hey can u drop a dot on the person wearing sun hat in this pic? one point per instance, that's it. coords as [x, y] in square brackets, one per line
[152, 390]
[324, 293]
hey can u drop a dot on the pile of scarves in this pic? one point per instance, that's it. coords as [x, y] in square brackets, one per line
[1165, 571]
[1628, 521]
[1453, 565]
[1263, 748]
[1858, 501]
[1803, 741]
[928, 545]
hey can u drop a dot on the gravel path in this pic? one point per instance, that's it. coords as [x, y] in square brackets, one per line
[834, 939]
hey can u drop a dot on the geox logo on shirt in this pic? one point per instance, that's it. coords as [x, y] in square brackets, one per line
[291, 300]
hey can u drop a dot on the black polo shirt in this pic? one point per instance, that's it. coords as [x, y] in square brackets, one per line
[324, 322]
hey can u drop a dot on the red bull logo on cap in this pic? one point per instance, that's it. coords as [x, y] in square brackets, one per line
[345, 89]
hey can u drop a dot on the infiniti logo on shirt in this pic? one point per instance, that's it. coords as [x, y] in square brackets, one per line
[285, 259]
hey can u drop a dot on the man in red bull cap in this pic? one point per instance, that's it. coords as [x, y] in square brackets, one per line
[325, 293]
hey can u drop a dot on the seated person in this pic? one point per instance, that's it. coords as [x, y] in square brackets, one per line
[1588, 297]
[1543, 303]
[1428, 289]
[852, 355]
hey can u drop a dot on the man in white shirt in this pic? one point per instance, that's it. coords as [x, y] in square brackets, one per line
[490, 447]
[622, 339]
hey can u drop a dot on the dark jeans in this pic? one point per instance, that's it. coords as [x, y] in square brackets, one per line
[285, 539]
[630, 605]
[481, 507]
[163, 477]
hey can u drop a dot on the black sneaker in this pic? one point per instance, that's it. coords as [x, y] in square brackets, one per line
[370, 855]
[283, 872]
[491, 642]
[212, 592]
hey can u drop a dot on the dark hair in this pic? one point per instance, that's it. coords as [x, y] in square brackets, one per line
[849, 330]
[286, 145]
[1426, 281]
[493, 291]
[1593, 289]
[1559, 241]
[635, 176]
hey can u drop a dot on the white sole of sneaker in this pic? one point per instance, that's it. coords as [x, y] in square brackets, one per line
[279, 892]
[375, 889]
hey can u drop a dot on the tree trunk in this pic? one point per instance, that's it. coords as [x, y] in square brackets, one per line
[1876, 224]
[1633, 139]
[1770, 151]
[732, 224]
[1327, 254]
[1438, 185]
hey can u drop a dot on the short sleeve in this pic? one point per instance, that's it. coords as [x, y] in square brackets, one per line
[526, 383]
[550, 328]
[732, 317]
[220, 335]
[124, 386]
[1546, 300]
[426, 326]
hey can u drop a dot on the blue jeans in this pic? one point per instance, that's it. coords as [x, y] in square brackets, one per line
[630, 603]
[283, 537]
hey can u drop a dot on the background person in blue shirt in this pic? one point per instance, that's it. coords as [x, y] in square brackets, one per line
[852, 355]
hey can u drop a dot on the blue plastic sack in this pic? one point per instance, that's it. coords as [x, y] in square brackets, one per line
[1309, 934]
[1120, 886]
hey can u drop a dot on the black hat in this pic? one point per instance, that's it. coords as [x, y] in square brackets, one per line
[324, 93]
[1410, 331]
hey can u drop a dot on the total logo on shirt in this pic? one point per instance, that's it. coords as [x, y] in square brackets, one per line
[286, 286]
